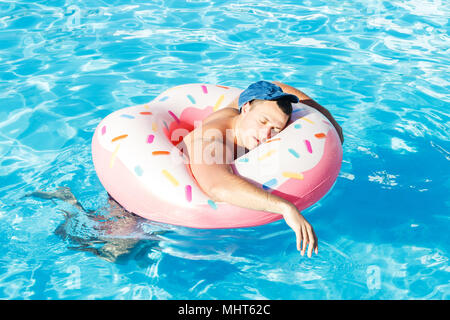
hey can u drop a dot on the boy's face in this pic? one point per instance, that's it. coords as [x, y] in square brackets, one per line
[260, 121]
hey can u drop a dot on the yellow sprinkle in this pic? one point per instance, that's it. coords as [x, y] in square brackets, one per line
[306, 119]
[268, 154]
[154, 127]
[113, 156]
[146, 106]
[218, 102]
[170, 177]
[293, 175]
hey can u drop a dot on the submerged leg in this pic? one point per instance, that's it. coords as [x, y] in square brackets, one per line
[113, 225]
[62, 193]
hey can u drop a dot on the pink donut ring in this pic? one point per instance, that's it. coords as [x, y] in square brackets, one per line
[136, 160]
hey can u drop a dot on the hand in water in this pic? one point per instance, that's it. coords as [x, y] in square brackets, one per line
[304, 232]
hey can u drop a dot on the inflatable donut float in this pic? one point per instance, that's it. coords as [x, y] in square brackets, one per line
[136, 159]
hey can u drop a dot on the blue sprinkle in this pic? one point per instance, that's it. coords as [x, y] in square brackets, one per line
[296, 110]
[212, 204]
[270, 183]
[298, 126]
[294, 153]
[127, 116]
[164, 98]
[138, 170]
[191, 98]
[243, 160]
[165, 124]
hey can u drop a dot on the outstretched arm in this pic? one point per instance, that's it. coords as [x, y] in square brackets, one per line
[310, 102]
[219, 183]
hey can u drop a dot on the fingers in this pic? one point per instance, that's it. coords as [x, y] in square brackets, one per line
[305, 235]
[298, 235]
[316, 249]
[304, 240]
[307, 238]
[312, 241]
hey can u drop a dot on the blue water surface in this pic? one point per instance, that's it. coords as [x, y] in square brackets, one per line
[380, 67]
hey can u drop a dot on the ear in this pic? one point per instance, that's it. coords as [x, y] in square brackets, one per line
[245, 107]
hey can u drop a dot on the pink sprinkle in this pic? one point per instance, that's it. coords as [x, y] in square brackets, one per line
[174, 116]
[308, 146]
[188, 190]
[205, 90]
[150, 138]
[103, 130]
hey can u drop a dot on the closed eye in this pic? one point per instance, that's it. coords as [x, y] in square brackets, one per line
[264, 121]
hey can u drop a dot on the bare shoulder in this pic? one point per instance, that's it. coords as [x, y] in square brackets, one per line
[220, 114]
[209, 141]
[213, 126]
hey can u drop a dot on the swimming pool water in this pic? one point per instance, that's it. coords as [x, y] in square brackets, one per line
[381, 68]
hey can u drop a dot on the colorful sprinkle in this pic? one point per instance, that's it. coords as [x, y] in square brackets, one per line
[146, 106]
[191, 98]
[154, 126]
[138, 170]
[113, 156]
[157, 153]
[103, 130]
[269, 184]
[306, 119]
[205, 90]
[188, 192]
[268, 154]
[119, 137]
[271, 140]
[127, 116]
[243, 160]
[308, 146]
[212, 204]
[222, 86]
[219, 101]
[165, 125]
[296, 110]
[293, 175]
[163, 98]
[170, 177]
[173, 116]
[320, 135]
[145, 113]
[294, 153]
[298, 126]
[150, 138]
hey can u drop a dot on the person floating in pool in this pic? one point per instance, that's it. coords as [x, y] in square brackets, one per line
[260, 111]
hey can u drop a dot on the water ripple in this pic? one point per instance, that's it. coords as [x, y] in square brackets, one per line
[381, 68]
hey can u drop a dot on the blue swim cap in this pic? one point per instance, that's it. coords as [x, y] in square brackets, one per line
[264, 90]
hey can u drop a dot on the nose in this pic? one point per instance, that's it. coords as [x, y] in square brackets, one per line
[265, 133]
[269, 133]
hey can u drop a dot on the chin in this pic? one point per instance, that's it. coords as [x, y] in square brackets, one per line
[251, 143]
[252, 146]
